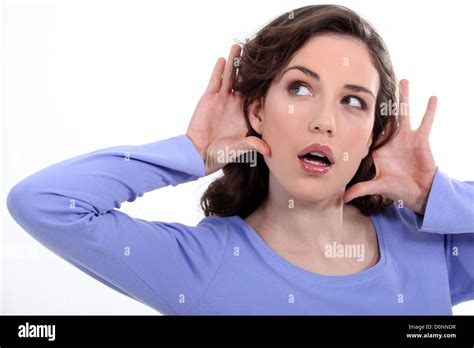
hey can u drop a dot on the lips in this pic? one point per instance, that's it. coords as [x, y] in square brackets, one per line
[320, 149]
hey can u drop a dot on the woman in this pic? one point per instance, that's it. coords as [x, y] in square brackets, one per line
[343, 211]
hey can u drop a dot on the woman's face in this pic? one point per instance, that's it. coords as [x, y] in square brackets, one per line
[335, 107]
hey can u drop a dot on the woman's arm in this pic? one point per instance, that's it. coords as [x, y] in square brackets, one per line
[69, 208]
[450, 211]
[450, 206]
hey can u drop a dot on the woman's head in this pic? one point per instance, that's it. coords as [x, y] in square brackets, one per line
[318, 74]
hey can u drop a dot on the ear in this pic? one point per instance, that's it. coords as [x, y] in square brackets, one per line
[256, 115]
[369, 143]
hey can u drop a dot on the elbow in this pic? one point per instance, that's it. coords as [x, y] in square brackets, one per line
[21, 203]
[39, 206]
[32, 206]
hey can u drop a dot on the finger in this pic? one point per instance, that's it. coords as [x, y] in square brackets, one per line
[229, 72]
[427, 122]
[258, 144]
[365, 188]
[216, 77]
[403, 106]
[252, 143]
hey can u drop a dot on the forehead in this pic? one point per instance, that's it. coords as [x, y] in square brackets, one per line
[338, 59]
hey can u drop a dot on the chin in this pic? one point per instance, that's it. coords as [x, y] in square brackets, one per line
[314, 193]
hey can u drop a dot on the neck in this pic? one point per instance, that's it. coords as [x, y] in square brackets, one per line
[304, 225]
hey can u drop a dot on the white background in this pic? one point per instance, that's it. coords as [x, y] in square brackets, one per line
[83, 75]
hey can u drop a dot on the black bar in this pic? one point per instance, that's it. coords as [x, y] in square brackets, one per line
[312, 330]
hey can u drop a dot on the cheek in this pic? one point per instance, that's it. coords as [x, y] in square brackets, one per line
[277, 129]
[356, 146]
[281, 134]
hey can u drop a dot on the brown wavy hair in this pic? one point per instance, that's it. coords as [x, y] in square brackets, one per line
[242, 188]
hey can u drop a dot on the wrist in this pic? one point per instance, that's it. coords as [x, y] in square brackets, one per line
[425, 189]
[199, 148]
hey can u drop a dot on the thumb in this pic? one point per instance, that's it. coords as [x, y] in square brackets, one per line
[253, 143]
[365, 188]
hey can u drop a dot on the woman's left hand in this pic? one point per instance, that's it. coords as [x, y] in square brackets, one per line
[405, 167]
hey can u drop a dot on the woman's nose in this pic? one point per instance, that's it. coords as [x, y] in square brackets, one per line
[323, 122]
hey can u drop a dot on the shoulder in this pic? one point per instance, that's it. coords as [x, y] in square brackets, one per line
[228, 227]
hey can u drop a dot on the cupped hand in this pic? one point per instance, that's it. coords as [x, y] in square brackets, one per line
[405, 166]
[218, 123]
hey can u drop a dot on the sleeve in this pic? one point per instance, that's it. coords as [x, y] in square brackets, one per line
[450, 212]
[69, 208]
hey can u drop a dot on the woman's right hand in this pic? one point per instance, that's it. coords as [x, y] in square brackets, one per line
[218, 122]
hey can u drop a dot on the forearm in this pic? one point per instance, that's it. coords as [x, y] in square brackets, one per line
[99, 181]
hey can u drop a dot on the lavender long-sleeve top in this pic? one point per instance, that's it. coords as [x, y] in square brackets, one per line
[222, 266]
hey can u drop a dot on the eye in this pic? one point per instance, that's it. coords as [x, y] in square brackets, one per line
[355, 102]
[295, 88]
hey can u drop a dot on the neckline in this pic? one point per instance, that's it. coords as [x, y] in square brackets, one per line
[277, 260]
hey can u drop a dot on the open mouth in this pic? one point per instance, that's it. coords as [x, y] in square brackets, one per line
[316, 159]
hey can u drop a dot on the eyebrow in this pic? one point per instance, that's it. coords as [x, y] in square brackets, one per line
[312, 74]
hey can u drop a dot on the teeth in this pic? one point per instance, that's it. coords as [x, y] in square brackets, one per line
[317, 154]
[315, 163]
